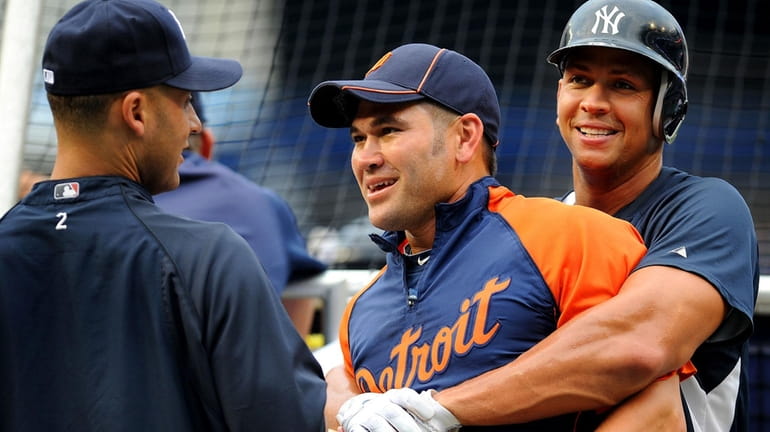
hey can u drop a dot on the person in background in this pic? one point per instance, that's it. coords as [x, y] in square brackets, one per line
[210, 191]
[476, 275]
[118, 316]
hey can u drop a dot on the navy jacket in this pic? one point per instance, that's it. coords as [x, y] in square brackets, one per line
[116, 316]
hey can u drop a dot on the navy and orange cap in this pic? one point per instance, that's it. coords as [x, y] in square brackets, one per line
[409, 73]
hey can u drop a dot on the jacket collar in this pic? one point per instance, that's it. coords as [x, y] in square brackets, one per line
[448, 215]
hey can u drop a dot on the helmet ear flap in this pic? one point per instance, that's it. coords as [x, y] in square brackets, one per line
[670, 108]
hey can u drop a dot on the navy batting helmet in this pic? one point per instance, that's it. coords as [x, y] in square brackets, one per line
[645, 28]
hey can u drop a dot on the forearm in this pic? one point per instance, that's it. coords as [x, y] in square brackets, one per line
[658, 407]
[600, 358]
[573, 370]
[339, 389]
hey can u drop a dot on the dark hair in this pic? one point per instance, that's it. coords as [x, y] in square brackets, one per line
[86, 113]
[445, 114]
[490, 156]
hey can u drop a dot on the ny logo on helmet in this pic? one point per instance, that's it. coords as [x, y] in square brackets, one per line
[610, 20]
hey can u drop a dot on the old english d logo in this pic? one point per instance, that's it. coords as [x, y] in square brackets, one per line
[380, 62]
[610, 20]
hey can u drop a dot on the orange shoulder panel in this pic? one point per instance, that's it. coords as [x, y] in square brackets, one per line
[583, 254]
[345, 321]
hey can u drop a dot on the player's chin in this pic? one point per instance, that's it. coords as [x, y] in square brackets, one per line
[381, 218]
[170, 183]
[175, 181]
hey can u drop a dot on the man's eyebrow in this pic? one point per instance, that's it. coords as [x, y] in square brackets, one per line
[576, 65]
[378, 121]
[626, 70]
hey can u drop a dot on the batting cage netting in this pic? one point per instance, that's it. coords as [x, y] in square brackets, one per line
[286, 47]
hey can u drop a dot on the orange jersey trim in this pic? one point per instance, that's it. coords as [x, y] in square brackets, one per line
[345, 321]
[559, 238]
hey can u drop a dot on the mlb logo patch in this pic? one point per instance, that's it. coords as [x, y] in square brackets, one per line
[66, 190]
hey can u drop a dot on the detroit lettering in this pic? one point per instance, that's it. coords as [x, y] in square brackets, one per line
[410, 360]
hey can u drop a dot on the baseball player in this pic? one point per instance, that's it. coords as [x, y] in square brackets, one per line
[476, 275]
[701, 271]
[114, 315]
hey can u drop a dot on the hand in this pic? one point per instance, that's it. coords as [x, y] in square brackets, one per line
[397, 410]
[430, 415]
[374, 412]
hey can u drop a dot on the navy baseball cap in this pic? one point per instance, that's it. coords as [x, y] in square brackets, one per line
[107, 46]
[409, 73]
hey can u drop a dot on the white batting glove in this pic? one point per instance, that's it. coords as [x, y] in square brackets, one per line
[373, 412]
[430, 415]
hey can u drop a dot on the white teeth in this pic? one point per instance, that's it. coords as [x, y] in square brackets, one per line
[592, 131]
[381, 185]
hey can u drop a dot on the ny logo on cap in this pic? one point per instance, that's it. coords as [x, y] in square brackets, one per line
[610, 20]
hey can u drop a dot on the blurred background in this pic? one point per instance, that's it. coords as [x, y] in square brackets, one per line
[287, 47]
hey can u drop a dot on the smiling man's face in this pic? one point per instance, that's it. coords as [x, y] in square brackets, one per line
[402, 164]
[605, 105]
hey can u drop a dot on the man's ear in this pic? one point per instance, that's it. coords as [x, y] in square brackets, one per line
[471, 136]
[133, 108]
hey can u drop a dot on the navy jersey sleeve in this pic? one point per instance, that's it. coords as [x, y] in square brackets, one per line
[251, 358]
[706, 228]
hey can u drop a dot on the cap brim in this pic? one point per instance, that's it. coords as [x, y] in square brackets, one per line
[207, 74]
[334, 104]
[557, 56]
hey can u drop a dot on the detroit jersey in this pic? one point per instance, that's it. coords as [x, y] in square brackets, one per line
[505, 271]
